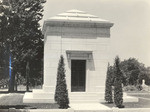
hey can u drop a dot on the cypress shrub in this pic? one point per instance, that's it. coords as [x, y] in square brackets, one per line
[61, 92]
[108, 86]
[118, 93]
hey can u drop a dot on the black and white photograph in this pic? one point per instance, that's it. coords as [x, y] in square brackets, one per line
[74, 56]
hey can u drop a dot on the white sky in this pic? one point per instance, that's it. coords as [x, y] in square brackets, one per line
[130, 35]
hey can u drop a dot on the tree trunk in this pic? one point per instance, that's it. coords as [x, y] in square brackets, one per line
[11, 77]
[27, 76]
[16, 80]
[11, 83]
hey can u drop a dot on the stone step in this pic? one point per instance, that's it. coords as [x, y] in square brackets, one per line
[29, 98]
[43, 95]
[88, 94]
[83, 101]
[73, 96]
[85, 93]
[90, 107]
[84, 97]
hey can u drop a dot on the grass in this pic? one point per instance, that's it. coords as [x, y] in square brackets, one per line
[141, 104]
[141, 94]
[15, 100]
[144, 101]
[137, 91]
[31, 106]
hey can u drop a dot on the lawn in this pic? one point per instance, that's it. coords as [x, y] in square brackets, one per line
[144, 100]
[141, 104]
[140, 94]
[15, 100]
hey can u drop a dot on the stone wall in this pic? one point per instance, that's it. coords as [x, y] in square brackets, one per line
[60, 39]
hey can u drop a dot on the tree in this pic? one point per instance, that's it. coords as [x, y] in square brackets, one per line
[131, 68]
[134, 72]
[31, 46]
[4, 56]
[61, 92]
[118, 94]
[23, 37]
[108, 85]
[6, 40]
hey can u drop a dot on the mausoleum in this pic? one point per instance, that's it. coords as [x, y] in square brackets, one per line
[83, 40]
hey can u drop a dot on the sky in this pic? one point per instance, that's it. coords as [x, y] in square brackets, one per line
[130, 35]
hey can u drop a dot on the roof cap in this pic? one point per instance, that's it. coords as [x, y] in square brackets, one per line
[76, 15]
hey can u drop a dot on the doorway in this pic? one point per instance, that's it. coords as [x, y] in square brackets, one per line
[78, 75]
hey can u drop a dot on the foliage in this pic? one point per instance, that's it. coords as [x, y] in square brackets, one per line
[118, 94]
[61, 92]
[134, 72]
[108, 85]
[132, 88]
[4, 57]
[131, 68]
[21, 34]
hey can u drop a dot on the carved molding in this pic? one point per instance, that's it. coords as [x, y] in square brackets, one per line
[90, 32]
[75, 25]
[72, 54]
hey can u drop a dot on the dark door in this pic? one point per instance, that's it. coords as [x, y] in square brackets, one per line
[78, 75]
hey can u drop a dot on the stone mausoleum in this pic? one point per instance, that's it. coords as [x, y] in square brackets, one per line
[83, 40]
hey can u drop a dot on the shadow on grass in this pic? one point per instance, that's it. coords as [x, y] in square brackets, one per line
[6, 92]
[16, 107]
[31, 106]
